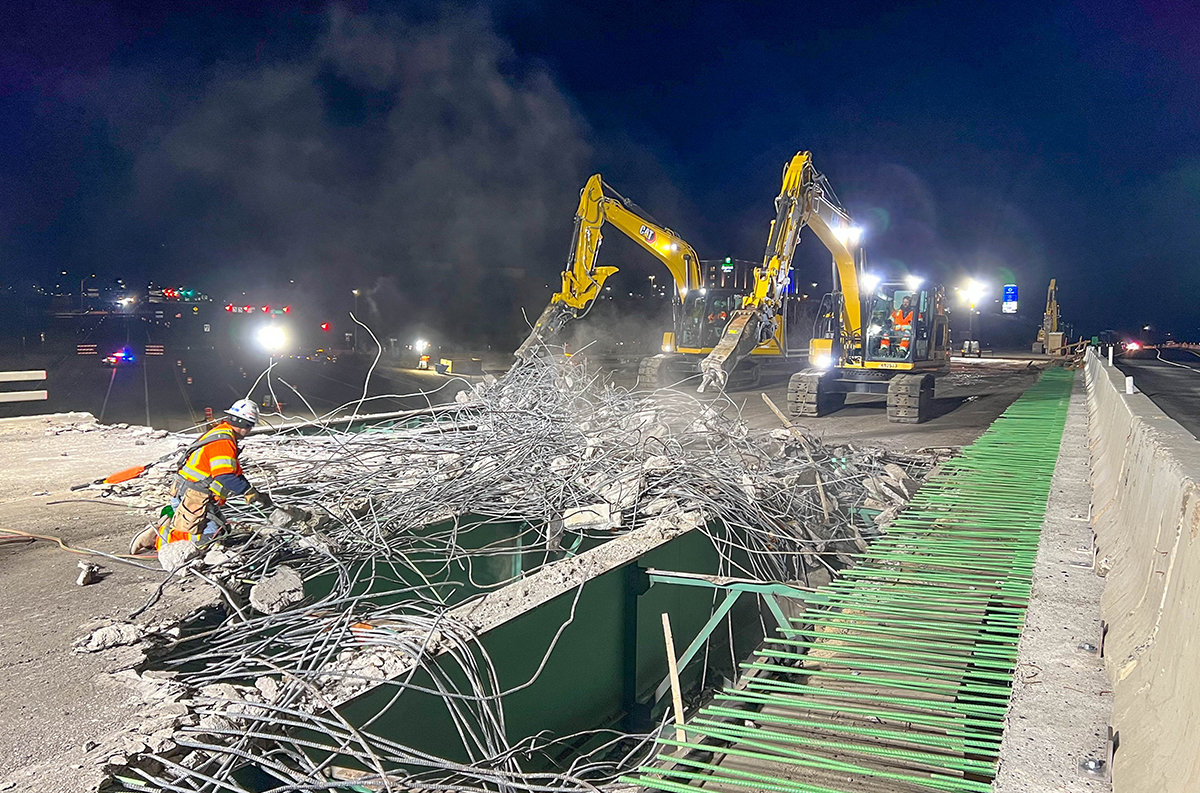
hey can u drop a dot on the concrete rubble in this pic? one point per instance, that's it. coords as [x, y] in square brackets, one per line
[277, 590]
[547, 454]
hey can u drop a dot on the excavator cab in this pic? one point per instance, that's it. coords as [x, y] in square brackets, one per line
[900, 323]
[706, 312]
[904, 343]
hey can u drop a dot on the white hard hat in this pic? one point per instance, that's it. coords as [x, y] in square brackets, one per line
[245, 410]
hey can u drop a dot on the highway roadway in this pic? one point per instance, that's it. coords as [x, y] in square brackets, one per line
[1170, 377]
[171, 391]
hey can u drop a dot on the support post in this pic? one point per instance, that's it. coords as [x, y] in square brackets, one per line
[637, 715]
[1110, 354]
[1128, 384]
[673, 674]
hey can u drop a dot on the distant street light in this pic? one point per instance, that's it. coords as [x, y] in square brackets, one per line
[272, 338]
[355, 293]
[971, 294]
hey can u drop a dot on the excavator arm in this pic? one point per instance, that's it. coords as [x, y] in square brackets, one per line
[804, 200]
[583, 278]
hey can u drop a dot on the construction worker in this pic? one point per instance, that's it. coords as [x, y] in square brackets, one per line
[209, 474]
[901, 322]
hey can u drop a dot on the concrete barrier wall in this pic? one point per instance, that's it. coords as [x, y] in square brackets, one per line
[1146, 516]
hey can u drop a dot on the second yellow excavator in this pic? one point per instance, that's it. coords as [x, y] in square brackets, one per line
[904, 343]
[704, 298]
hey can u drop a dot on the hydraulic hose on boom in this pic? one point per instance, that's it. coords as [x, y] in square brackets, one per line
[583, 278]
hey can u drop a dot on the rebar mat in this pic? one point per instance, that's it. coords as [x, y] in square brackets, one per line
[898, 676]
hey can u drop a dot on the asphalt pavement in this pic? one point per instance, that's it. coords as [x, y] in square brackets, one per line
[1171, 378]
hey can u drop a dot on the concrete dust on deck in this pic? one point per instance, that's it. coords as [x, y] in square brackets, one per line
[53, 700]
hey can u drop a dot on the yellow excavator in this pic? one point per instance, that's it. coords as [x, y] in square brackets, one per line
[905, 341]
[703, 300]
[1049, 337]
[716, 328]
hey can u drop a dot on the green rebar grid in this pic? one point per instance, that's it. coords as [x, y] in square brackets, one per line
[898, 676]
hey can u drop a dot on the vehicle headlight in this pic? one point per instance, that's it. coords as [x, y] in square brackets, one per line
[822, 361]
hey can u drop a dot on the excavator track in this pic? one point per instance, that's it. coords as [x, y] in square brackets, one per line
[654, 372]
[809, 395]
[910, 398]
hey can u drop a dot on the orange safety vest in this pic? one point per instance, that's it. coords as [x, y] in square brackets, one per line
[900, 320]
[217, 454]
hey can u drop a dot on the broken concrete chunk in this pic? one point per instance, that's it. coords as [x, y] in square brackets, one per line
[886, 516]
[175, 555]
[219, 556]
[623, 492]
[89, 573]
[284, 517]
[117, 635]
[275, 592]
[657, 463]
[268, 687]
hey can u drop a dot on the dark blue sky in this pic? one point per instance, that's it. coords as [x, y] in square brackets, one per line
[424, 149]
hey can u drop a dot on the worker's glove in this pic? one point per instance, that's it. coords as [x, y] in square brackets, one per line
[259, 499]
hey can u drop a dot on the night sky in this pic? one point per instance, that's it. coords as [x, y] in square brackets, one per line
[433, 154]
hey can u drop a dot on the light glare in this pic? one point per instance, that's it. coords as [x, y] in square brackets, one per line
[272, 338]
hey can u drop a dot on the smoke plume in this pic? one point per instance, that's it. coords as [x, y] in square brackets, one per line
[422, 161]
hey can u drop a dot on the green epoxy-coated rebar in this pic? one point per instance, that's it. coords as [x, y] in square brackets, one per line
[900, 672]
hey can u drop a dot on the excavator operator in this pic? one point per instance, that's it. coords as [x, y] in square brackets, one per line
[901, 323]
[209, 473]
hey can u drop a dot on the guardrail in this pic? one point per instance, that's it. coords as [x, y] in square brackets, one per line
[23, 377]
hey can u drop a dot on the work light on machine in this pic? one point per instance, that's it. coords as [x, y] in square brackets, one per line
[914, 282]
[868, 281]
[849, 236]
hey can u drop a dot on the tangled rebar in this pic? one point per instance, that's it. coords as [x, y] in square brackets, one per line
[403, 523]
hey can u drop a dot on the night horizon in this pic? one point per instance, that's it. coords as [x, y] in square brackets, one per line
[434, 156]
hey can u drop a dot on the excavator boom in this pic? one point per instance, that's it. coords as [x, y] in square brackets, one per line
[804, 200]
[583, 278]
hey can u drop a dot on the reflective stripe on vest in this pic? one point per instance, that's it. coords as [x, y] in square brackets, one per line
[191, 470]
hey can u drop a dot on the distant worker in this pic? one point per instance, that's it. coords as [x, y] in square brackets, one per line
[901, 325]
[209, 474]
